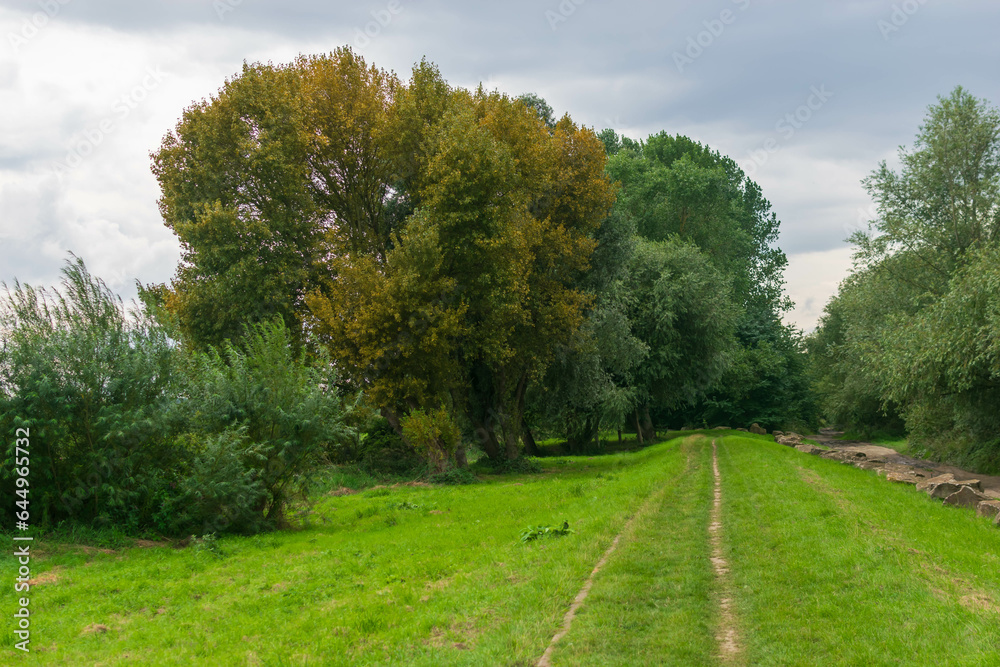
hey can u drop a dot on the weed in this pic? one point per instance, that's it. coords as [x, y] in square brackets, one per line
[207, 543]
[534, 532]
[407, 505]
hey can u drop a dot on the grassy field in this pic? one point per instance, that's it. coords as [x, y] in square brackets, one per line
[828, 565]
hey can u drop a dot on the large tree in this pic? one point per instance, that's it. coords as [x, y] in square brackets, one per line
[261, 183]
[916, 318]
[500, 209]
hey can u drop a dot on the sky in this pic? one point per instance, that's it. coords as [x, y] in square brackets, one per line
[808, 97]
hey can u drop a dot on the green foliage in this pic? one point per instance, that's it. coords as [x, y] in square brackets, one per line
[766, 382]
[129, 430]
[540, 107]
[523, 465]
[681, 308]
[382, 452]
[532, 533]
[676, 187]
[912, 334]
[290, 412]
[432, 433]
[453, 476]
[94, 384]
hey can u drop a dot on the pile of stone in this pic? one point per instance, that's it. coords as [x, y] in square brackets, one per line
[958, 492]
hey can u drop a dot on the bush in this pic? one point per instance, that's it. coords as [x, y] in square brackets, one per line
[382, 452]
[94, 384]
[286, 413]
[453, 476]
[128, 430]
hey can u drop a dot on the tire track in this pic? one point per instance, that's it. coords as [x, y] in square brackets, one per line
[726, 634]
[546, 659]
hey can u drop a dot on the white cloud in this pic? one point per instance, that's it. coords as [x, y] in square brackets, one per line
[812, 278]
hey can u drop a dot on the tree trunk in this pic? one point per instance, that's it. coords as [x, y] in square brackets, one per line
[487, 438]
[392, 417]
[638, 428]
[648, 432]
[530, 445]
[461, 461]
[619, 436]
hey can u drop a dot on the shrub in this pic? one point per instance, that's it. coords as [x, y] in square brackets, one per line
[93, 383]
[288, 414]
[434, 434]
[383, 452]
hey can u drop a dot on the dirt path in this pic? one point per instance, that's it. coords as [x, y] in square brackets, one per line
[828, 438]
[726, 635]
[546, 659]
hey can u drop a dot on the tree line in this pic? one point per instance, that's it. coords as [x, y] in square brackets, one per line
[365, 260]
[911, 342]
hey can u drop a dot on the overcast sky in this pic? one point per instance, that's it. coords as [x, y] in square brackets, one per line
[89, 87]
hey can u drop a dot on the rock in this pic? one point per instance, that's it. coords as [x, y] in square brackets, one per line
[947, 477]
[757, 429]
[809, 449]
[777, 433]
[788, 440]
[722, 428]
[902, 477]
[942, 490]
[971, 483]
[743, 430]
[965, 497]
[989, 509]
[792, 434]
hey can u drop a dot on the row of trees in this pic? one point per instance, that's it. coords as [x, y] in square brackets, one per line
[912, 340]
[464, 254]
[460, 262]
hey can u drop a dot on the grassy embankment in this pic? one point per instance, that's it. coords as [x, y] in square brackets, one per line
[828, 565]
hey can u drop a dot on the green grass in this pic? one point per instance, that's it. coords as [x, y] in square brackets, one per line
[835, 566]
[406, 575]
[829, 565]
